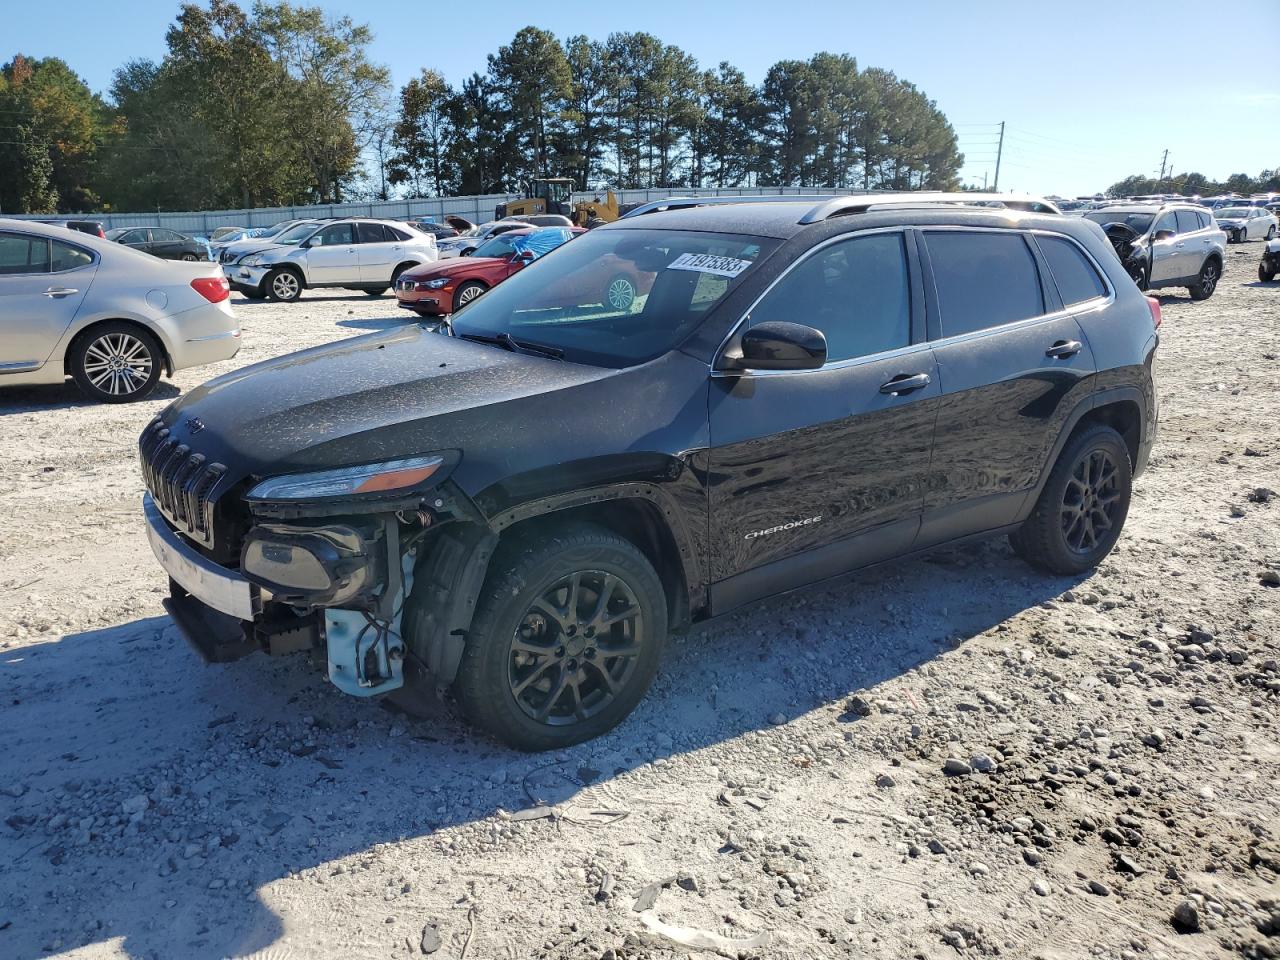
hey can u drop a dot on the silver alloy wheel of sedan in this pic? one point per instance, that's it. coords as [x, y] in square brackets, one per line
[469, 293]
[285, 285]
[118, 364]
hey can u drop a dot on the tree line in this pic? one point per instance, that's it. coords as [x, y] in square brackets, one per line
[1196, 185]
[280, 104]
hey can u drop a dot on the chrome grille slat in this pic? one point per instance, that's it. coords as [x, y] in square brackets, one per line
[180, 481]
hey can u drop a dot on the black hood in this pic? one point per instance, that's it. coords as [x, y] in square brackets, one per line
[362, 400]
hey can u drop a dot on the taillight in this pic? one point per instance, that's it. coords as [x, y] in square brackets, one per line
[1154, 306]
[213, 289]
[102, 234]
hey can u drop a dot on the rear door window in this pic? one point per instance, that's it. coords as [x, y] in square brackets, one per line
[983, 279]
[22, 254]
[370, 232]
[1076, 277]
[1188, 222]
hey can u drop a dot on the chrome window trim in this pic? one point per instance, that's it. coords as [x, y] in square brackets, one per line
[746, 314]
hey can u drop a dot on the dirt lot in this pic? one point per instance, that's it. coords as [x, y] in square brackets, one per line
[1121, 732]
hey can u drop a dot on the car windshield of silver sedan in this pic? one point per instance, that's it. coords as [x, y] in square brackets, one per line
[1231, 213]
[613, 298]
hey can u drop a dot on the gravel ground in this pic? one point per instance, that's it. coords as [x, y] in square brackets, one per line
[952, 756]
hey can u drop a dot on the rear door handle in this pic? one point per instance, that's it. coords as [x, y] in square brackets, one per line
[60, 292]
[906, 383]
[1063, 349]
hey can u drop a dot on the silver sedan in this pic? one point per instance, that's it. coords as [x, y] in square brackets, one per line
[1246, 223]
[112, 318]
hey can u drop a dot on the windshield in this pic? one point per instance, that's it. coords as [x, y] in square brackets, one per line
[1231, 212]
[615, 298]
[295, 235]
[501, 246]
[1137, 222]
[116, 233]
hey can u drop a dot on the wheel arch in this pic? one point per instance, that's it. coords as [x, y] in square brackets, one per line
[1124, 409]
[455, 564]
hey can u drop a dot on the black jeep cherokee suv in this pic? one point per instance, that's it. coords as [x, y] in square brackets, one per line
[669, 417]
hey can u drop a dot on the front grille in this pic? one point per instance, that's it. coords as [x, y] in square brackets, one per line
[181, 482]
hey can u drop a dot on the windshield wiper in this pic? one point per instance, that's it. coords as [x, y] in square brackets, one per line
[506, 340]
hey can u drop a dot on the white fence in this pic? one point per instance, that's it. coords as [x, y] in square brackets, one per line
[477, 209]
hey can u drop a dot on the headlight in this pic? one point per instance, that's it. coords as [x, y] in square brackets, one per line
[435, 284]
[349, 481]
[252, 260]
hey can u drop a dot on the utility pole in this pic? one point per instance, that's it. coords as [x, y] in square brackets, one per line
[1163, 161]
[999, 151]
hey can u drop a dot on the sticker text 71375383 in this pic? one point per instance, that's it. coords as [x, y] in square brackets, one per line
[709, 263]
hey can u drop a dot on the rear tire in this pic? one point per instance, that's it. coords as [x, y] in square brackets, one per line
[1266, 274]
[1271, 233]
[376, 293]
[283, 286]
[537, 672]
[1210, 274]
[1082, 508]
[116, 363]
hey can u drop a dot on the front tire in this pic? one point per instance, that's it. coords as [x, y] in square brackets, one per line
[567, 637]
[1266, 274]
[1271, 233]
[1210, 274]
[283, 286]
[116, 363]
[1138, 273]
[1082, 508]
[376, 293]
[466, 293]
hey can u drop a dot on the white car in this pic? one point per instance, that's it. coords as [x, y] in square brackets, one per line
[464, 243]
[111, 317]
[1246, 223]
[357, 254]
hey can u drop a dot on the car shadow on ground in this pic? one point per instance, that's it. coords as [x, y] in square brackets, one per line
[64, 396]
[259, 769]
[311, 296]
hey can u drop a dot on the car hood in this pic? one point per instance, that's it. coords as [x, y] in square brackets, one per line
[450, 268]
[1230, 221]
[363, 400]
[241, 247]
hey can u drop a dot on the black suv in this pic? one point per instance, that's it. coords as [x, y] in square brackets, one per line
[525, 501]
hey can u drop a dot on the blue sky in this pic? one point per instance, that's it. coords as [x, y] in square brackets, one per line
[1090, 91]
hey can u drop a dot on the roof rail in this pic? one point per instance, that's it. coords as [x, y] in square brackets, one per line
[681, 203]
[841, 206]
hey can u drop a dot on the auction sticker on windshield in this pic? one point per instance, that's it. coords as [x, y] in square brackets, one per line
[707, 263]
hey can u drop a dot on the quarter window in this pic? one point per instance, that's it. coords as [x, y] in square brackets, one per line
[394, 234]
[983, 280]
[1075, 276]
[21, 254]
[855, 291]
[67, 257]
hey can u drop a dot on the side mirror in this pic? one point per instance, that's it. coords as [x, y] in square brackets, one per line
[778, 345]
[525, 256]
[1164, 235]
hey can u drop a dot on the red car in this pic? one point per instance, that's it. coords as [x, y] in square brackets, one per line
[447, 285]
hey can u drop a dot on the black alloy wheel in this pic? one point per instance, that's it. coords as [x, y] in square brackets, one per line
[566, 638]
[1082, 507]
[1208, 282]
[576, 647]
[1139, 274]
[1091, 501]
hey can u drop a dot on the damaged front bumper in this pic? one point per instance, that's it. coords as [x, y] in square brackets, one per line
[225, 616]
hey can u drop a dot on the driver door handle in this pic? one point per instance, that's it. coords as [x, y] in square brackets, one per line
[906, 383]
[1064, 349]
[60, 292]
